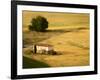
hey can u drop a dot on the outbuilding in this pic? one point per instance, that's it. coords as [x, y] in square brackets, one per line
[42, 48]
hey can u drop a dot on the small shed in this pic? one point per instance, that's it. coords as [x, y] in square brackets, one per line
[42, 48]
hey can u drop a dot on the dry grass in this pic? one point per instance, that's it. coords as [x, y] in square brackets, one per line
[74, 49]
[57, 19]
[69, 35]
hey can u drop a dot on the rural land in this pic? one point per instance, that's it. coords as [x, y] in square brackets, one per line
[68, 33]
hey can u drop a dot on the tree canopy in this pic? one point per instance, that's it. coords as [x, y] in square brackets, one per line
[39, 24]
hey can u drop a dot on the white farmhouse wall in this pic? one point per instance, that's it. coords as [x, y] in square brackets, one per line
[43, 48]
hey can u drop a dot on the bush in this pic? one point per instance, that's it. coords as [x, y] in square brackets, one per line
[52, 52]
[38, 24]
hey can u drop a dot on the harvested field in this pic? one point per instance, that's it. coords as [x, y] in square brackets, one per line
[69, 35]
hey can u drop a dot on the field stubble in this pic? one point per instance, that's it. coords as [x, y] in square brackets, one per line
[67, 32]
[73, 44]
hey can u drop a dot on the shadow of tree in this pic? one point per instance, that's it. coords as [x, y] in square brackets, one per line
[68, 30]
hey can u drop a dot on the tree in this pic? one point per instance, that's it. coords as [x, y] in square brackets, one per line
[38, 24]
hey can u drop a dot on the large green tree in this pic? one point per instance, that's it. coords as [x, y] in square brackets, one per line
[38, 24]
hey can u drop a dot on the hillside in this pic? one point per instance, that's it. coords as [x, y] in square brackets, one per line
[68, 33]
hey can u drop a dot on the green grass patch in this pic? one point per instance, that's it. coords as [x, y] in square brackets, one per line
[29, 63]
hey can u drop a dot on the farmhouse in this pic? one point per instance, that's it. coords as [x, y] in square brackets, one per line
[42, 48]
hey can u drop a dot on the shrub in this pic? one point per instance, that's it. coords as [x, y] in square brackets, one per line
[52, 52]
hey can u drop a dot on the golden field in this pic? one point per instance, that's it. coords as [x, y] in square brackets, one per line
[67, 32]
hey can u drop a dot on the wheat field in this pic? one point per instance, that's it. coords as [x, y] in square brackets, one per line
[67, 32]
